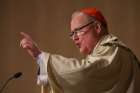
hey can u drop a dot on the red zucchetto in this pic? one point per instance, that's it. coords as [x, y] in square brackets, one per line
[95, 13]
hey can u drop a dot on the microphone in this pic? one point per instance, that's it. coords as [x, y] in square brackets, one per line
[15, 76]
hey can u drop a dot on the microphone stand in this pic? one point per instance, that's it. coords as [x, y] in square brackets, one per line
[17, 75]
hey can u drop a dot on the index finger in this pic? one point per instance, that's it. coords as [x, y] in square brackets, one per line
[25, 35]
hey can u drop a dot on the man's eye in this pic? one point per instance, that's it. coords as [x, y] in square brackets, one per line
[71, 33]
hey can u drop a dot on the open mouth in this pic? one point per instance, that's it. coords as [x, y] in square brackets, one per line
[78, 45]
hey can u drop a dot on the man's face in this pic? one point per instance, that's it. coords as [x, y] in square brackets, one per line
[83, 34]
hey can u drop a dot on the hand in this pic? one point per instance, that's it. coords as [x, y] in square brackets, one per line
[28, 44]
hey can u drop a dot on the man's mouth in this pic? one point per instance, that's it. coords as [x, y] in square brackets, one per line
[78, 45]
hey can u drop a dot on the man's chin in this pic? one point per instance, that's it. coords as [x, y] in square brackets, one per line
[84, 51]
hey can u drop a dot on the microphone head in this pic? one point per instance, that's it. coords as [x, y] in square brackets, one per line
[17, 75]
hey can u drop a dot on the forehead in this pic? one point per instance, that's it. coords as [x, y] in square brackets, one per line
[78, 19]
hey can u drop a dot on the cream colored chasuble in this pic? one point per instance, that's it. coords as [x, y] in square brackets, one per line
[110, 68]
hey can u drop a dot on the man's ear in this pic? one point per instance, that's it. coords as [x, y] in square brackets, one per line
[98, 27]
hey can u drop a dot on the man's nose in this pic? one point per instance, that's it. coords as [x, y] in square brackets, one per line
[75, 37]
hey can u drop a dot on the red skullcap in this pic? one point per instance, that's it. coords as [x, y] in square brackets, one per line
[95, 13]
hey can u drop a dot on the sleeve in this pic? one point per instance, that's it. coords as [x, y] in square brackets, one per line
[42, 74]
[100, 58]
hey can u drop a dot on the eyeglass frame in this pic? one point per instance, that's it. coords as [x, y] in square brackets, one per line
[78, 30]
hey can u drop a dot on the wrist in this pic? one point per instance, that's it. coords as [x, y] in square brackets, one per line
[37, 53]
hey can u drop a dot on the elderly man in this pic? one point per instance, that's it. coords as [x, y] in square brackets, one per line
[110, 66]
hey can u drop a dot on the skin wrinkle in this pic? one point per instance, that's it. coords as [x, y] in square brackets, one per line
[87, 41]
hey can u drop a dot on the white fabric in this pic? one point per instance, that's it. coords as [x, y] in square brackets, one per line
[42, 78]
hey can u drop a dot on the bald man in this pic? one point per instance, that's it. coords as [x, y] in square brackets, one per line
[109, 66]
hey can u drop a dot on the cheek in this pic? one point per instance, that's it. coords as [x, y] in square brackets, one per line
[86, 40]
[84, 43]
[84, 47]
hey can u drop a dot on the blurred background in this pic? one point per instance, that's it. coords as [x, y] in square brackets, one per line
[47, 21]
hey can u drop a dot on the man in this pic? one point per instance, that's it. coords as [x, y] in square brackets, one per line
[110, 67]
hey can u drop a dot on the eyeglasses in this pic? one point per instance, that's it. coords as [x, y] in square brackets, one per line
[79, 31]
